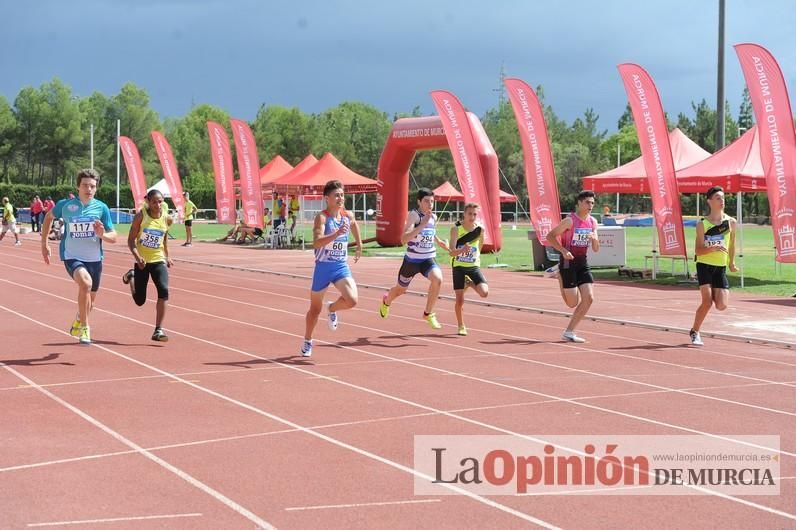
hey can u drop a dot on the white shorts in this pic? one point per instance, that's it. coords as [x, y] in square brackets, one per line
[12, 227]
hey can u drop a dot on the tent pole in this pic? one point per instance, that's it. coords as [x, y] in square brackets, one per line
[739, 208]
[697, 204]
[654, 247]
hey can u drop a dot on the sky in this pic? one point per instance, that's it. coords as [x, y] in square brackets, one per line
[241, 54]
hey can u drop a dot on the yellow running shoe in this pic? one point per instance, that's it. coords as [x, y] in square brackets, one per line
[384, 309]
[85, 335]
[463, 331]
[75, 331]
[431, 318]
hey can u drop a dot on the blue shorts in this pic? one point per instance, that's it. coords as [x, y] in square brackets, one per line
[94, 269]
[329, 272]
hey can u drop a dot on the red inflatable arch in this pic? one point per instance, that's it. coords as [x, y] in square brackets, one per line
[409, 135]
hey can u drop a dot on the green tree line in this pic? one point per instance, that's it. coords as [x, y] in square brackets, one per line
[45, 139]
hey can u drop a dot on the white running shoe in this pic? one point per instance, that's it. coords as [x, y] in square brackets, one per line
[551, 272]
[332, 320]
[696, 338]
[306, 349]
[571, 337]
[18, 244]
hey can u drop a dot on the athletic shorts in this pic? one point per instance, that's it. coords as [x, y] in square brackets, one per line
[10, 227]
[712, 275]
[329, 272]
[574, 273]
[474, 273]
[159, 273]
[410, 268]
[94, 269]
[258, 232]
[189, 222]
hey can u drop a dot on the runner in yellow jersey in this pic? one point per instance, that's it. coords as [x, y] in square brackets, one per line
[190, 212]
[715, 252]
[465, 244]
[148, 242]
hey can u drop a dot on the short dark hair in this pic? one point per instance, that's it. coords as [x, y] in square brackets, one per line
[585, 194]
[331, 186]
[422, 193]
[88, 174]
[713, 191]
[151, 193]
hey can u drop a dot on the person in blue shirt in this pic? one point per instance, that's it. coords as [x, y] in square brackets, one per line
[87, 223]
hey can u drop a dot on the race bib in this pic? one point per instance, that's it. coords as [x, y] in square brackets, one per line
[337, 250]
[581, 237]
[426, 239]
[469, 256]
[152, 238]
[714, 241]
[81, 228]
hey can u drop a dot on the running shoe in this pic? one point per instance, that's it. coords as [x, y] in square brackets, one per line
[463, 331]
[431, 318]
[18, 244]
[551, 272]
[85, 335]
[696, 338]
[75, 331]
[306, 348]
[570, 336]
[332, 320]
[159, 335]
[127, 277]
[384, 309]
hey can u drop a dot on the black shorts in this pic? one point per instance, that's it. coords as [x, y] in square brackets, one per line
[410, 268]
[189, 222]
[258, 231]
[160, 277]
[459, 273]
[574, 273]
[712, 275]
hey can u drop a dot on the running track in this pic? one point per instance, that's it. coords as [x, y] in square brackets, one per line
[224, 427]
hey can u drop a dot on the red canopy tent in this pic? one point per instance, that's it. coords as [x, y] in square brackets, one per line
[507, 197]
[312, 180]
[735, 168]
[447, 192]
[274, 169]
[632, 177]
[302, 166]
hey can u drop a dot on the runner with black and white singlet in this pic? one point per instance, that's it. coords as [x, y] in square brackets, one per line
[420, 238]
[330, 236]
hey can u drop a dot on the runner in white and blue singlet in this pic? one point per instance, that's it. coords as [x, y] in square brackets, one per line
[420, 238]
[330, 236]
[87, 224]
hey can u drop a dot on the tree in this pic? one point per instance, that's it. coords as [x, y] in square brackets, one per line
[626, 118]
[355, 133]
[62, 122]
[283, 131]
[189, 141]
[8, 128]
[29, 113]
[746, 116]
[131, 106]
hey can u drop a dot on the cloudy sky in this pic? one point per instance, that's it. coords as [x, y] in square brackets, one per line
[314, 54]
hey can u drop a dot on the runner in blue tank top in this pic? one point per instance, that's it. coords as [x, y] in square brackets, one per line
[87, 224]
[420, 238]
[330, 235]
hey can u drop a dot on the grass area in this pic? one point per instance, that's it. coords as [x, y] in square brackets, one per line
[760, 273]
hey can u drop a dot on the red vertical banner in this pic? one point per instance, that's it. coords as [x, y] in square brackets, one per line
[135, 173]
[465, 156]
[540, 174]
[170, 171]
[222, 167]
[653, 136]
[774, 118]
[249, 169]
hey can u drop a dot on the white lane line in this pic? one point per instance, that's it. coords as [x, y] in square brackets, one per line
[116, 519]
[488, 502]
[359, 505]
[138, 449]
[401, 400]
